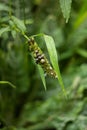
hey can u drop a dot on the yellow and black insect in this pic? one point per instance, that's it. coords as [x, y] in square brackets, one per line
[40, 58]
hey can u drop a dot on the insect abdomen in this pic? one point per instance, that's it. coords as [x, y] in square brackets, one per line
[40, 58]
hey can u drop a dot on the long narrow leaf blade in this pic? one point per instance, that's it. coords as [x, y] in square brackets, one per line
[54, 59]
[66, 8]
[42, 76]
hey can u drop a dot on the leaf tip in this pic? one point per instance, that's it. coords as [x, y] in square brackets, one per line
[67, 20]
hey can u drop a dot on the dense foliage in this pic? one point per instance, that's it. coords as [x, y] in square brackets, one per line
[24, 105]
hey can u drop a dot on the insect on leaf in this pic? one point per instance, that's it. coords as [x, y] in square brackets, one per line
[40, 58]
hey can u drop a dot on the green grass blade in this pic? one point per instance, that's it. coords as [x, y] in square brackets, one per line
[42, 76]
[9, 83]
[54, 59]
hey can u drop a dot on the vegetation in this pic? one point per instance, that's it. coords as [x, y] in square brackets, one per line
[25, 27]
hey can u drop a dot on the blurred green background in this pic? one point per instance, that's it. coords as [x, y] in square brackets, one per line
[29, 106]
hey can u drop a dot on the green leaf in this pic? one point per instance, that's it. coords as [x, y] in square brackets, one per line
[7, 82]
[4, 7]
[4, 29]
[82, 52]
[19, 24]
[66, 8]
[42, 76]
[54, 59]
